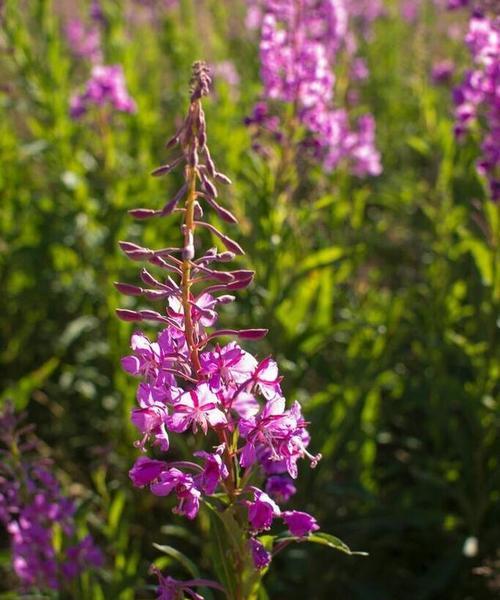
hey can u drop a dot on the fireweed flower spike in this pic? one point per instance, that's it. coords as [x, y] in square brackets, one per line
[477, 99]
[192, 383]
[31, 507]
[299, 47]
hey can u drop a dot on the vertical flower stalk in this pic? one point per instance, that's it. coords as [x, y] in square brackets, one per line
[191, 381]
[106, 87]
[477, 99]
[33, 509]
[300, 45]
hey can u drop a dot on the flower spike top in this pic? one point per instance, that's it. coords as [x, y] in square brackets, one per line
[193, 384]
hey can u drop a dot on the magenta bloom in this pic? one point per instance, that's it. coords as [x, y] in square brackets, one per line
[442, 71]
[227, 366]
[262, 511]
[190, 382]
[106, 87]
[146, 470]
[267, 379]
[477, 99]
[299, 523]
[199, 407]
[300, 42]
[85, 42]
[31, 504]
[214, 470]
[280, 488]
[174, 480]
[261, 557]
[267, 429]
[152, 415]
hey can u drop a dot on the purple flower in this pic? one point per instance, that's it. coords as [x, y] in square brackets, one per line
[280, 488]
[267, 379]
[262, 511]
[479, 96]
[299, 523]
[31, 503]
[299, 44]
[280, 433]
[214, 470]
[174, 589]
[191, 382]
[151, 417]
[85, 42]
[106, 87]
[146, 470]
[174, 480]
[267, 428]
[261, 557]
[198, 407]
[442, 71]
[226, 366]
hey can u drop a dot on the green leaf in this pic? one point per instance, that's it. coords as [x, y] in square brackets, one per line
[187, 563]
[221, 559]
[321, 258]
[20, 393]
[325, 539]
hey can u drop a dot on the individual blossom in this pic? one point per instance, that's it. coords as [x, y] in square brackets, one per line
[183, 485]
[174, 589]
[105, 88]
[300, 523]
[214, 470]
[261, 511]
[146, 470]
[261, 557]
[197, 407]
[280, 488]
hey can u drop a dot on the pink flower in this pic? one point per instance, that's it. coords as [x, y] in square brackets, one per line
[229, 365]
[146, 470]
[262, 511]
[106, 87]
[299, 523]
[174, 480]
[196, 407]
[214, 470]
[261, 557]
[280, 488]
[267, 379]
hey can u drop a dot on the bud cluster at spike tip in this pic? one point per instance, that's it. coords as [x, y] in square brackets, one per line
[31, 503]
[193, 382]
[299, 46]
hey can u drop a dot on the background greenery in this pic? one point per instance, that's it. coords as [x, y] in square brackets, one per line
[381, 296]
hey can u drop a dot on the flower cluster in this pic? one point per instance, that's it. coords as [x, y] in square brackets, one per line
[31, 507]
[477, 99]
[300, 42]
[84, 41]
[106, 85]
[191, 382]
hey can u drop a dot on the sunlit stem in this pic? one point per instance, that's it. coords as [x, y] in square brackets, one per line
[186, 282]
